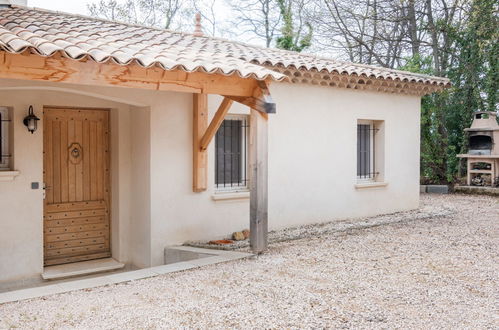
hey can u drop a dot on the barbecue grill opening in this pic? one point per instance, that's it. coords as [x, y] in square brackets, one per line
[481, 143]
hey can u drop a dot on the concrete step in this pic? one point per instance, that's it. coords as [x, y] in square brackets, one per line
[81, 268]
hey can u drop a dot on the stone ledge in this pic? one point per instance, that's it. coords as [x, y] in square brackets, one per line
[370, 185]
[8, 175]
[477, 190]
[231, 196]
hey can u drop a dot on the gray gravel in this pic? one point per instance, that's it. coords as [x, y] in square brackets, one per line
[426, 211]
[437, 272]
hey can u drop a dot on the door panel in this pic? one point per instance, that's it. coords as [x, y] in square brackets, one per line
[76, 176]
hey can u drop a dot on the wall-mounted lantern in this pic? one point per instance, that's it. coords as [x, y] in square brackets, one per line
[30, 121]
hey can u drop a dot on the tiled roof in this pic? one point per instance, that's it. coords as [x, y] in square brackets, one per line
[46, 32]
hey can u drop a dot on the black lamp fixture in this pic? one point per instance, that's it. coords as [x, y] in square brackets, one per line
[30, 121]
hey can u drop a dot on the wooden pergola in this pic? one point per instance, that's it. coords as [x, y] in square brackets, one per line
[248, 91]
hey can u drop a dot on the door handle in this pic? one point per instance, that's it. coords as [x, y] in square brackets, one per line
[45, 188]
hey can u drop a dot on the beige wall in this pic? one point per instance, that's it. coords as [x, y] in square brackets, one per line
[21, 219]
[312, 167]
[140, 243]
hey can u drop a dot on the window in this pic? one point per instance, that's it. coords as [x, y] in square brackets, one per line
[366, 150]
[231, 159]
[5, 123]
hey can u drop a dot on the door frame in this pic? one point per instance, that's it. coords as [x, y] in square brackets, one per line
[107, 174]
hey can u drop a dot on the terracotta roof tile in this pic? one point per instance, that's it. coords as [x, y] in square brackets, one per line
[47, 32]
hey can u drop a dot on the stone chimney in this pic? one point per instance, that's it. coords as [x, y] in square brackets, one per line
[198, 29]
[4, 3]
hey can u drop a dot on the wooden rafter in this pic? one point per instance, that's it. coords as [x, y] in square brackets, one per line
[28, 66]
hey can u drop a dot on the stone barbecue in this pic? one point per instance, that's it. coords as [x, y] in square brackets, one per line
[483, 150]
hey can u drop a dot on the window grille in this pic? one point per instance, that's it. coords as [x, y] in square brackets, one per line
[366, 151]
[231, 160]
[4, 139]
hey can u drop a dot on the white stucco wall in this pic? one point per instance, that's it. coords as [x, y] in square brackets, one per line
[312, 167]
[312, 161]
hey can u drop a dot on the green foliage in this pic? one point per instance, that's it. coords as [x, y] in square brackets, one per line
[474, 74]
[291, 39]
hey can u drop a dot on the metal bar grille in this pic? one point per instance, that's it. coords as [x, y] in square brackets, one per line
[4, 156]
[366, 148]
[231, 154]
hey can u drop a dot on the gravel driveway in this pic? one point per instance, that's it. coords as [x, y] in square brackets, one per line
[440, 272]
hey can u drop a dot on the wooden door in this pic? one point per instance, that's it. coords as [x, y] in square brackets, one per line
[76, 177]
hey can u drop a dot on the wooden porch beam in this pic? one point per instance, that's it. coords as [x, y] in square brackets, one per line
[254, 103]
[258, 154]
[261, 100]
[215, 123]
[199, 157]
[262, 92]
[59, 69]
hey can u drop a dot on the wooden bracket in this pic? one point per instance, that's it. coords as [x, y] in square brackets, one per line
[215, 123]
[202, 136]
[260, 101]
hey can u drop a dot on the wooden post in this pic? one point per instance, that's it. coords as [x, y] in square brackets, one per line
[199, 156]
[258, 153]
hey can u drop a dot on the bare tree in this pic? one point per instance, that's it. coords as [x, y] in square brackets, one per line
[105, 9]
[387, 32]
[209, 15]
[296, 31]
[369, 31]
[160, 13]
[260, 18]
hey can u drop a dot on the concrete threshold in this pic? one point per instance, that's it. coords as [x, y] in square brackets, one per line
[217, 256]
[81, 268]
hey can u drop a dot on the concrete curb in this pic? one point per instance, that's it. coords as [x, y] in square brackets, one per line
[472, 190]
[78, 284]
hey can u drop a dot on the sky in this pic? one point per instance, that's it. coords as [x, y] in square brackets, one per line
[80, 7]
[69, 6]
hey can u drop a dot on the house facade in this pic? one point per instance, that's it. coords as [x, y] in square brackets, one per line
[187, 144]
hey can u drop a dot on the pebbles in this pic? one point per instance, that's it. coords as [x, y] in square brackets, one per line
[327, 228]
[429, 272]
